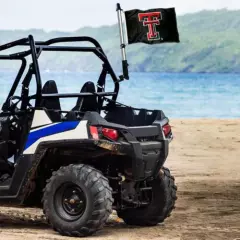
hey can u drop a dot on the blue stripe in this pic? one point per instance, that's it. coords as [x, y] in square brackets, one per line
[50, 130]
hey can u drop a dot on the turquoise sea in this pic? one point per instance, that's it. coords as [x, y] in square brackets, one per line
[178, 95]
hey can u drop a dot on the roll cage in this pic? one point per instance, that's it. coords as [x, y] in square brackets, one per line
[35, 50]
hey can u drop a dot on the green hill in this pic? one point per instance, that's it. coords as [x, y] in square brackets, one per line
[210, 42]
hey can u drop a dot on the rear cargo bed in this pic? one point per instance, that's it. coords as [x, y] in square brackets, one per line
[131, 117]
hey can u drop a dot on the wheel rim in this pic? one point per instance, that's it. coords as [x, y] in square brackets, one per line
[70, 202]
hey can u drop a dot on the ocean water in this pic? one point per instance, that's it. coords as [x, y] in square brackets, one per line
[178, 95]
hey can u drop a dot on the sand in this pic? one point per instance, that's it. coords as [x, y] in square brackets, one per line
[205, 160]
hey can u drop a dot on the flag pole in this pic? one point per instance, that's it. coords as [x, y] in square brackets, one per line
[122, 44]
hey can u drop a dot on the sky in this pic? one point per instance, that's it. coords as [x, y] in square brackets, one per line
[70, 15]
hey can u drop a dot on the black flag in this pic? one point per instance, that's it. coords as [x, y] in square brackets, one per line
[152, 26]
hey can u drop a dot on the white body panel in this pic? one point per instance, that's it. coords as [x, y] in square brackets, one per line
[40, 118]
[60, 132]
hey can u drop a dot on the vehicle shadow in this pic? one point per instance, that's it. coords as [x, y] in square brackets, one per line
[10, 221]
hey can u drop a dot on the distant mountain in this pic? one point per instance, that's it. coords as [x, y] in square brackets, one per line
[210, 42]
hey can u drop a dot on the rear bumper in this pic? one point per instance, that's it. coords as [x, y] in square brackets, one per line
[146, 145]
[147, 157]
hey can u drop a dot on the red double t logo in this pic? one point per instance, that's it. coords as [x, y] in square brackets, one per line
[151, 19]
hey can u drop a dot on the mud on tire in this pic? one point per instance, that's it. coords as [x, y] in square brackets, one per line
[77, 200]
[163, 202]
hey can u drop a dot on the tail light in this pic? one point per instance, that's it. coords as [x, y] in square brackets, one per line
[106, 132]
[110, 133]
[166, 129]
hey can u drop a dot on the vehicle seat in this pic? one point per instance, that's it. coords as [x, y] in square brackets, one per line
[51, 103]
[85, 104]
[4, 138]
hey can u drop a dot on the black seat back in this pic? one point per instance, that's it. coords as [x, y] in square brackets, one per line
[88, 103]
[51, 103]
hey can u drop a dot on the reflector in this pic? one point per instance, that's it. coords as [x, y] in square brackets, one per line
[94, 132]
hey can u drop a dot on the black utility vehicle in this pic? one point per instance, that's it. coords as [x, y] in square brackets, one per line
[80, 163]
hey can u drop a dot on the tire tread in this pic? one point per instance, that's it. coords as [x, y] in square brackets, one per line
[102, 193]
[154, 218]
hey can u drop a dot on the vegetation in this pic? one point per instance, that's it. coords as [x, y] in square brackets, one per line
[209, 43]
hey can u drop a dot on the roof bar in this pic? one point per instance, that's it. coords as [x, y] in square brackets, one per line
[66, 39]
[13, 44]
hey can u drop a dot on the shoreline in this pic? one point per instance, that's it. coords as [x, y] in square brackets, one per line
[134, 72]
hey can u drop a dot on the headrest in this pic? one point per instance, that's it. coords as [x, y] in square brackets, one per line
[88, 87]
[50, 87]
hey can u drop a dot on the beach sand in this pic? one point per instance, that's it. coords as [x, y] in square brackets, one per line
[205, 160]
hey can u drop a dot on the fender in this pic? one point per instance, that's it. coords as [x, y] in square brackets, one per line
[33, 160]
